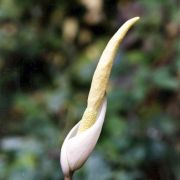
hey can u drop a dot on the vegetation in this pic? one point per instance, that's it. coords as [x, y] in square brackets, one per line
[48, 52]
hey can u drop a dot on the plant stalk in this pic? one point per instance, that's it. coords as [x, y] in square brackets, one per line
[67, 177]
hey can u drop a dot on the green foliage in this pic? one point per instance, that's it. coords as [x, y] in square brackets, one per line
[48, 53]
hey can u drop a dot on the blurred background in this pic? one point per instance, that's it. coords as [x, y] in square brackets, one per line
[48, 52]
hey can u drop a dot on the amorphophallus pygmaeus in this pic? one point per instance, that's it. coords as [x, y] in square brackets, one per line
[83, 137]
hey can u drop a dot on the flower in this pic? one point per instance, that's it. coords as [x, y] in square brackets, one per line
[83, 137]
[77, 148]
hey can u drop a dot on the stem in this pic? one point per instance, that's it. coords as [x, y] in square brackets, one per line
[67, 177]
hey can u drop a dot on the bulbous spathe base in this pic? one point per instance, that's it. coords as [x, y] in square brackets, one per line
[77, 148]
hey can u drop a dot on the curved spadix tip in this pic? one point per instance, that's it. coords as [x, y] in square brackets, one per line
[135, 18]
[132, 21]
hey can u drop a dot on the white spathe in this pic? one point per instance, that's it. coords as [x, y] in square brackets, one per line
[77, 148]
[79, 144]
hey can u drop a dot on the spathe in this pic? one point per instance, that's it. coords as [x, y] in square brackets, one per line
[82, 139]
[77, 148]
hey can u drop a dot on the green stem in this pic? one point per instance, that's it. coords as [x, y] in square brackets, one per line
[68, 178]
